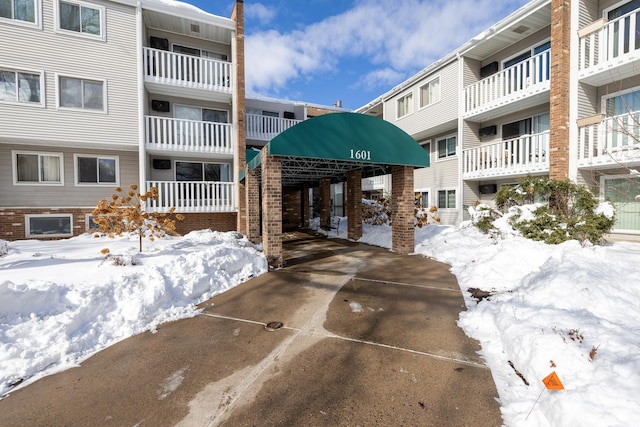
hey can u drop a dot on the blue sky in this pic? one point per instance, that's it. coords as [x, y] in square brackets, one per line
[321, 51]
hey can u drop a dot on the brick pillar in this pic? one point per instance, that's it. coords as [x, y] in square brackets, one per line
[253, 205]
[239, 111]
[325, 200]
[402, 204]
[354, 204]
[272, 208]
[306, 206]
[559, 89]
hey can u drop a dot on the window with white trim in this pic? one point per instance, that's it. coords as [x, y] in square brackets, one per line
[430, 93]
[97, 170]
[422, 199]
[37, 168]
[44, 225]
[21, 11]
[405, 105]
[82, 18]
[81, 93]
[446, 199]
[20, 86]
[447, 147]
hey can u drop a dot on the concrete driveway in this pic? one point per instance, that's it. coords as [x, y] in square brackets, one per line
[368, 338]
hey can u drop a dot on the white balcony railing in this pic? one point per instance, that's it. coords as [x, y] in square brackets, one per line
[161, 66]
[192, 136]
[607, 42]
[266, 128]
[523, 155]
[614, 140]
[190, 196]
[527, 77]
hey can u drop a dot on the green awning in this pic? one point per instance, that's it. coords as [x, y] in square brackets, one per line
[350, 137]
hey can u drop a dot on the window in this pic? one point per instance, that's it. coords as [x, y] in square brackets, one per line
[447, 147]
[623, 192]
[405, 105]
[20, 10]
[422, 199]
[96, 170]
[198, 52]
[623, 103]
[426, 146]
[48, 225]
[430, 93]
[80, 93]
[37, 168]
[195, 171]
[19, 86]
[200, 114]
[81, 18]
[446, 199]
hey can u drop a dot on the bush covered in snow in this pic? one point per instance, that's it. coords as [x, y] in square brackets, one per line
[548, 210]
[378, 212]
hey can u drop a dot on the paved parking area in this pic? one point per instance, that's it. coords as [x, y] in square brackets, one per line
[368, 338]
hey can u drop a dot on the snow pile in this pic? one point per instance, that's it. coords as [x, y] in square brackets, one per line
[565, 308]
[62, 301]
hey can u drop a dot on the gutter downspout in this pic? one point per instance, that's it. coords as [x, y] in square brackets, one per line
[142, 160]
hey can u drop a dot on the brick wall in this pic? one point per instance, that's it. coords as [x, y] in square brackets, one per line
[354, 204]
[214, 221]
[291, 207]
[402, 202]
[253, 206]
[559, 90]
[325, 200]
[12, 221]
[239, 111]
[272, 208]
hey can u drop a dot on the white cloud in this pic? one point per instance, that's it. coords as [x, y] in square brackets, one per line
[393, 42]
[259, 12]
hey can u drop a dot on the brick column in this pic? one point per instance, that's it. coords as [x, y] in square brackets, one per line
[354, 204]
[253, 205]
[402, 204]
[559, 89]
[272, 208]
[239, 111]
[306, 206]
[325, 200]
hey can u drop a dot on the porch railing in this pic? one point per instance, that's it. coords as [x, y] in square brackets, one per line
[612, 140]
[266, 127]
[192, 196]
[531, 75]
[169, 134]
[606, 41]
[526, 154]
[172, 68]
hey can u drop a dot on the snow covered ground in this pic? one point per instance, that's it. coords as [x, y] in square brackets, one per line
[570, 309]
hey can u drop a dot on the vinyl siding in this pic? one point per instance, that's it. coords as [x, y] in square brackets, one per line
[112, 61]
[442, 113]
[69, 194]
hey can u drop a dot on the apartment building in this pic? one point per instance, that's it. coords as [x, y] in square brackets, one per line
[98, 94]
[551, 90]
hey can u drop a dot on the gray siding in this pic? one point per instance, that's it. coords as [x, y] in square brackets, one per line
[69, 194]
[113, 61]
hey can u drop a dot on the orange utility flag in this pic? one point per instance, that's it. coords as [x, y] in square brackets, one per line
[552, 382]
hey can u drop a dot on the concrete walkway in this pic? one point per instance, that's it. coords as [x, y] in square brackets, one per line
[368, 338]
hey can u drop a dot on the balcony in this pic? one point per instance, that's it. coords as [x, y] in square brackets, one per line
[517, 87]
[613, 141]
[165, 134]
[521, 156]
[609, 50]
[190, 196]
[195, 77]
[265, 128]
